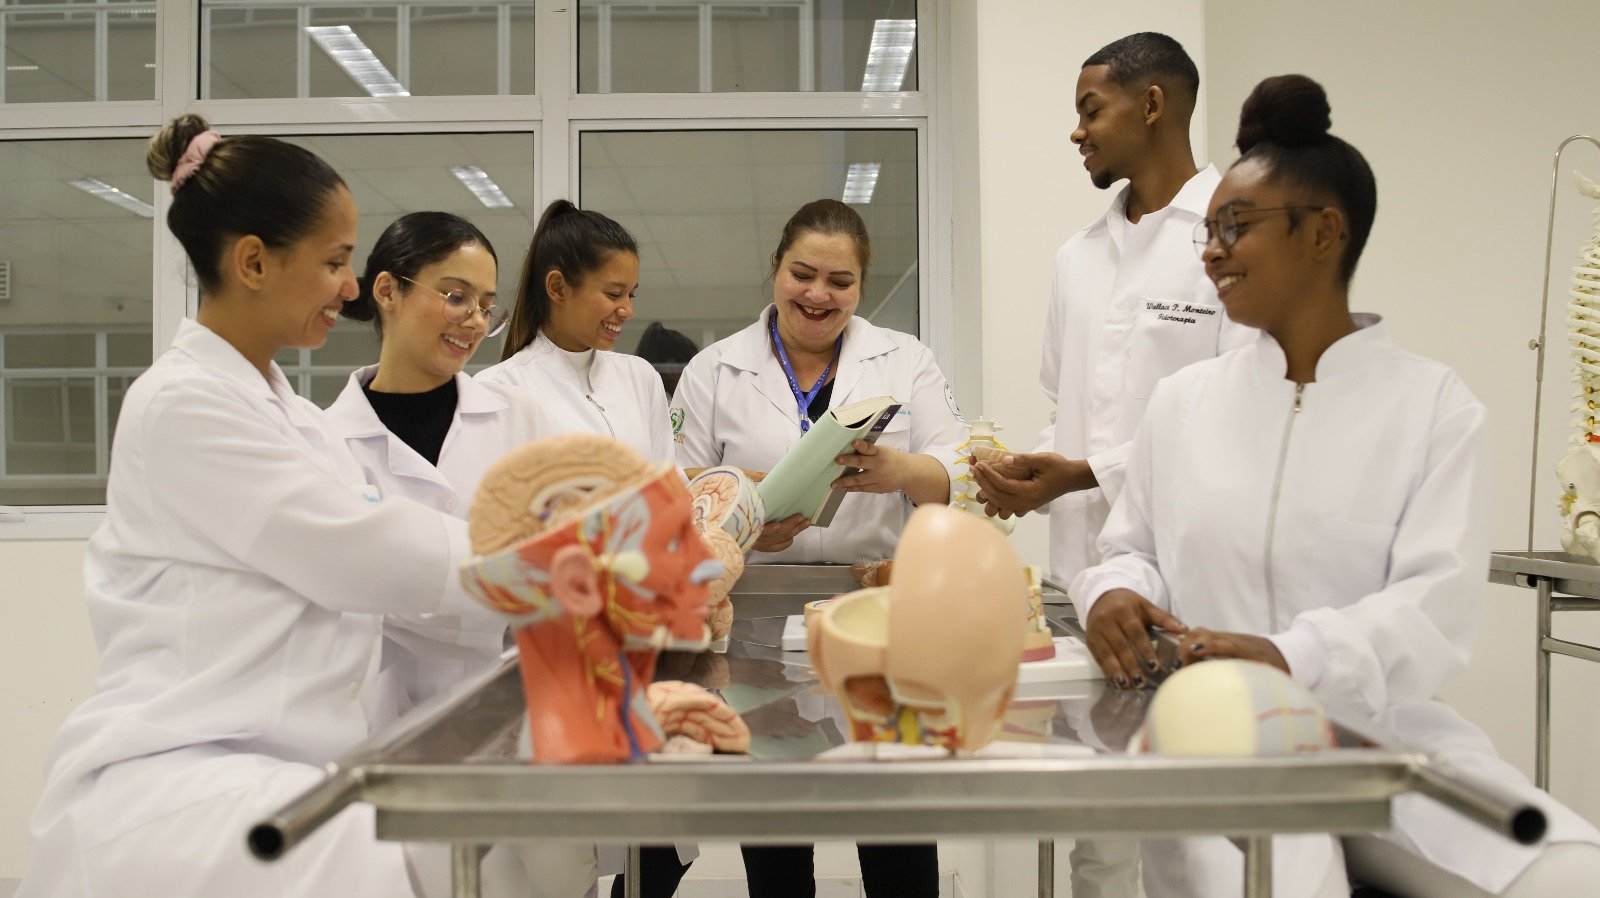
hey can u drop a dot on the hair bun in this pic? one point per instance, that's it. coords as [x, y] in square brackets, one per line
[168, 146]
[1288, 110]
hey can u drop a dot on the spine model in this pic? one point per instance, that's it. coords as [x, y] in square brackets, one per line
[964, 489]
[1580, 469]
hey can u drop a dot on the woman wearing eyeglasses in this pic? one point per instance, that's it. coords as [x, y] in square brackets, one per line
[421, 428]
[575, 296]
[1311, 502]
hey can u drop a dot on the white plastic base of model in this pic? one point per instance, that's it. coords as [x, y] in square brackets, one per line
[1072, 662]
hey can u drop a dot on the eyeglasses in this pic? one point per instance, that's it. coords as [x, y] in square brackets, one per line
[460, 306]
[1226, 227]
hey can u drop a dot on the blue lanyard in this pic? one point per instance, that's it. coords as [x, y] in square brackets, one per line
[801, 398]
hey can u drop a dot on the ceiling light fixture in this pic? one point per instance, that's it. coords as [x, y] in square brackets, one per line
[482, 186]
[889, 54]
[99, 188]
[350, 53]
[860, 181]
[22, 68]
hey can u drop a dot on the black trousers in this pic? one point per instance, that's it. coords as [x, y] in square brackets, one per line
[887, 871]
[659, 873]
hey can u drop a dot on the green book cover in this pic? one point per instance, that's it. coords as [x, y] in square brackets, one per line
[798, 483]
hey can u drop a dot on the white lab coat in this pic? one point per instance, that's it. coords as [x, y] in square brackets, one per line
[423, 656]
[1129, 305]
[736, 408]
[628, 402]
[236, 588]
[1346, 526]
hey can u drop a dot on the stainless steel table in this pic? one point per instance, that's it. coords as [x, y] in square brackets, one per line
[1561, 582]
[448, 772]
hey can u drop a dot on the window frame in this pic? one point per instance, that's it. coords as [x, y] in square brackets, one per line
[556, 116]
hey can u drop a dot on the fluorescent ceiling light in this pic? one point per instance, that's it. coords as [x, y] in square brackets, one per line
[889, 54]
[859, 182]
[22, 68]
[99, 188]
[347, 50]
[482, 186]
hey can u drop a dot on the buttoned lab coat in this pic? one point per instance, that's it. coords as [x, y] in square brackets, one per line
[237, 588]
[1129, 304]
[1342, 520]
[737, 409]
[429, 654]
[628, 402]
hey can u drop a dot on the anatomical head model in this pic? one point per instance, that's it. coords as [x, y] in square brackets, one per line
[931, 658]
[1580, 469]
[593, 554]
[728, 513]
[1233, 709]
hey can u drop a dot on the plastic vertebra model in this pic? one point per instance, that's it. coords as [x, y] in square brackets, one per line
[980, 438]
[1580, 469]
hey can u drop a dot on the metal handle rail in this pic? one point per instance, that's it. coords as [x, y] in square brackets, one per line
[1483, 803]
[273, 837]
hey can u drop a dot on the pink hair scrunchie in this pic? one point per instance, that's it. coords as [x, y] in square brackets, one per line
[193, 155]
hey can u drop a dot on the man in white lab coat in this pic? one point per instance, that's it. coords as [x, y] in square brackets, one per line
[1129, 305]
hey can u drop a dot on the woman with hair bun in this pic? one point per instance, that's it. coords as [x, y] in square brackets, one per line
[573, 299]
[1313, 502]
[241, 578]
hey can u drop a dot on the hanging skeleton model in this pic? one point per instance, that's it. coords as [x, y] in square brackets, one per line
[1580, 469]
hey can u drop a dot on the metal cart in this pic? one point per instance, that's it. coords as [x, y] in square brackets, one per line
[448, 773]
[1561, 582]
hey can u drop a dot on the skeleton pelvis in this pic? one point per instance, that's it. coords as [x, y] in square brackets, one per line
[1580, 500]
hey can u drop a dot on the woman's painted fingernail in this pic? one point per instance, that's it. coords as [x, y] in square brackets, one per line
[1197, 647]
[1153, 664]
[1122, 682]
[1138, 682]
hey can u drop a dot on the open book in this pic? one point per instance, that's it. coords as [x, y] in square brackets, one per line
[798, 483]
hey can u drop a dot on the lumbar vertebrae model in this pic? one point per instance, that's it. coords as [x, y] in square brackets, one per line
[981, 440]
[1580, 469]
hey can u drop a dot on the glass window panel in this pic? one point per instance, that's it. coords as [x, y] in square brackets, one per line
[374, 27]
[631, 46]
[452, 49]
[707, 208]
[755, 48]
[50, 427]
[250, 53]
[80, 266]
[129, 350]
[49, 351]
[131, 55]
[393, 174]
[49, 57]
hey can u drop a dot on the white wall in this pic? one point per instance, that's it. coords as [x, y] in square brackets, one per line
[47, 662]
[1459, 107]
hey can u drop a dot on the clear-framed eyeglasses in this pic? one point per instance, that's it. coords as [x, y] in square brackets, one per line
[460, 306]
[1227, 227]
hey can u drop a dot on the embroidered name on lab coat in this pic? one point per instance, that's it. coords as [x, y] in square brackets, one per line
[1182, 312]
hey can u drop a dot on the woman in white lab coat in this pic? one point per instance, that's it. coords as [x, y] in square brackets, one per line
[421, 428]
[238, 584]
[1312, 502]
[746, 400]
[575, 295]
[573, 299]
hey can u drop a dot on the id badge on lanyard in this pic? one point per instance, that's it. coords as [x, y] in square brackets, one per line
[802, 398]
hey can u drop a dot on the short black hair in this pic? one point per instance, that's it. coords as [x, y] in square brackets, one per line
[1284, 125]
[1149, 57]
